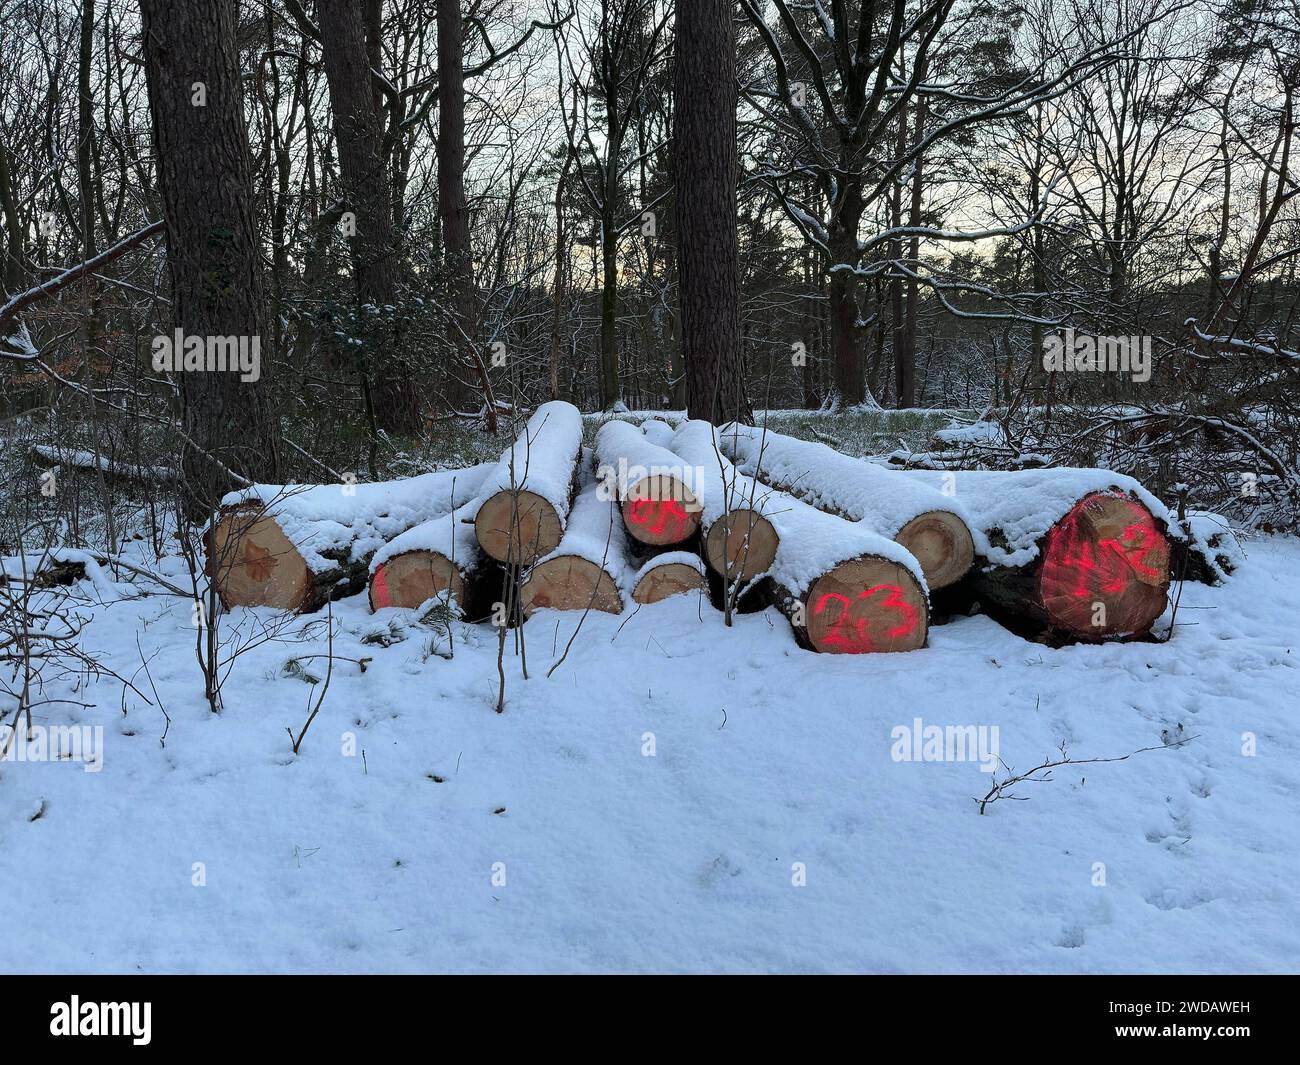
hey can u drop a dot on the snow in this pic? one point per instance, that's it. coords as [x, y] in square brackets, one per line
[451, 536]
[684, 861]
[830, 480]
[541, 459]
[657, 432]
[595, 529]
[358, 518]
[88, 460]
[1024, 504]
[722, 487]
[1212, 537]
[972, 435]
[626, 456]
[813, 542]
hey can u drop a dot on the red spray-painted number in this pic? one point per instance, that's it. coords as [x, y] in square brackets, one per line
[1073, 562]
[379, 596]
[849, 632]
[660, 516]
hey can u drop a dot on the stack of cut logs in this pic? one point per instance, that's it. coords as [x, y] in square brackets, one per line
[857, 556]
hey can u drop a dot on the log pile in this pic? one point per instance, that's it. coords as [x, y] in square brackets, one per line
[847, 550]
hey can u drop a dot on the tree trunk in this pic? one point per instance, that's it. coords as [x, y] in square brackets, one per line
[704, 135]
[846, 351]
[205, 182]
[86, 176]
[611, 393]
[905, 358]
[11, 277]
[369, 197]
[458, 256]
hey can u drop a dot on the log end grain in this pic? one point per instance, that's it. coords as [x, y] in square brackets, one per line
[660, 510]
[1105, 568]
[411, 578]
[741, 545]
[254, 563]
[568, 582]
[673, 578]
[517, 527]
[866, 605]
[942, 544]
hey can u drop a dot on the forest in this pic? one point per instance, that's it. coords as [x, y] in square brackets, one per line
[501, 397]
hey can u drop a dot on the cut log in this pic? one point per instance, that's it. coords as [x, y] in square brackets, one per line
[293, 547]
[844, 588]
[1080, 553]
[932, 526]
[435, 557]
[653, 485]
[526, 499]
[738, 541]
[589, 567]
[669, 574]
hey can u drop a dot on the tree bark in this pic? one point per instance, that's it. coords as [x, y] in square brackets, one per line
[85, 173]
[12, 276]
[704, 135]
[205, 183]
[458, 256]
[368, 196]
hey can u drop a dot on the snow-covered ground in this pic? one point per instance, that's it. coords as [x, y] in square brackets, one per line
[552, 840]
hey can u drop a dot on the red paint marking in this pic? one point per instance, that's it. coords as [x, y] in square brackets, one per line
[379, 596]
[1070, 561]
[849, 633]
[660, 516]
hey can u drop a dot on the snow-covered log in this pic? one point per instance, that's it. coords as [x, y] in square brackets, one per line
[589, 568]
[434, 557]
[657, 431]
[294, 547]
[738, 540]
[930, 525]
[652, 484]
[1079, 552]
[668, 574]
[526, 498]
[844, 588]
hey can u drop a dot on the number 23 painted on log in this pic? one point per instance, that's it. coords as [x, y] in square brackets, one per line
[850, 633]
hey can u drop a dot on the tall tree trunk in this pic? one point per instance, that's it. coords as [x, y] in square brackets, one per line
[611, 390]
[842, 295]
[905, 357]
[561, 261]
[85, 173]
[369, 197]
[205, 182]
[11, 278]
[458, 257]
[704, 135]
